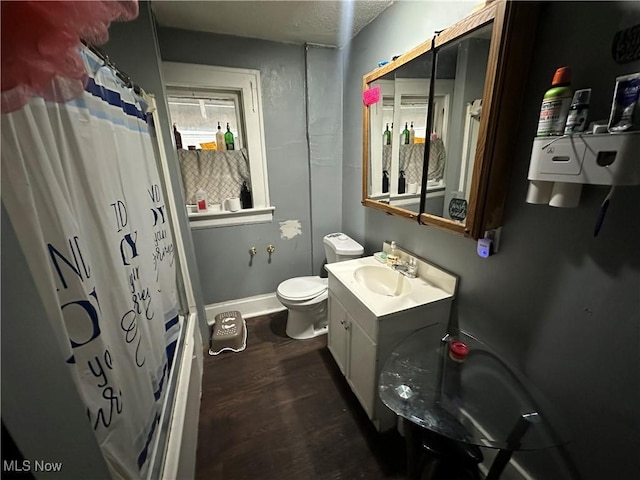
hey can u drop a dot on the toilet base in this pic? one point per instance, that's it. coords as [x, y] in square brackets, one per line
[302, 325]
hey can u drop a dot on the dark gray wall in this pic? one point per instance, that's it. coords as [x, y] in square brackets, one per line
[133, 47]
[223, 253]
[560, 304]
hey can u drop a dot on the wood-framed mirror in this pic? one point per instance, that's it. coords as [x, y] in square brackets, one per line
[480, 70]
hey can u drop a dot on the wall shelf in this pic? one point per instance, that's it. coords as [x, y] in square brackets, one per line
[600, 159]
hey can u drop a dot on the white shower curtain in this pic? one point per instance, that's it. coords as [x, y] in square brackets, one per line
[82, 190]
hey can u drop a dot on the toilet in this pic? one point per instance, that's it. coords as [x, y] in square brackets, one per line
[306, 297]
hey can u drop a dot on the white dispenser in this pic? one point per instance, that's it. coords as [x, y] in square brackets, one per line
[559, 167]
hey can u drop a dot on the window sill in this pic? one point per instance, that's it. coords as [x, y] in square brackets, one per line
[226, 219]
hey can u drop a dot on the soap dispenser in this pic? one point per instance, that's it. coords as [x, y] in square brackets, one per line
[245, 196]
[392, 256]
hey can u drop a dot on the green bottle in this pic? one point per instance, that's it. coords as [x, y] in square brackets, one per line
[405, 134]
[386, 136]
[228, 138]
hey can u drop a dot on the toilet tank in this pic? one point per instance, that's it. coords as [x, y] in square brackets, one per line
[339, 247]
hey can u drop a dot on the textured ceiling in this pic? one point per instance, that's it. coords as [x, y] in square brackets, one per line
[324, 22]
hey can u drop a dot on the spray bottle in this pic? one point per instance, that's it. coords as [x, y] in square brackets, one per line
[555, 104]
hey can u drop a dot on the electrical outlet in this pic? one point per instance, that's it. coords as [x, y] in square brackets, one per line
[494, 235]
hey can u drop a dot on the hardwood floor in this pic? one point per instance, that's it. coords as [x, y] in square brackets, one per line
[281, 410]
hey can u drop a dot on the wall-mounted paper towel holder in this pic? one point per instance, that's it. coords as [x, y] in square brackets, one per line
[559, 167]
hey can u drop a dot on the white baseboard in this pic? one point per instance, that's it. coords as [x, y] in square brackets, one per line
[249, 306]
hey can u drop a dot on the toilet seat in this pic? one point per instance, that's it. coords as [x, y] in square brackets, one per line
[302, 289]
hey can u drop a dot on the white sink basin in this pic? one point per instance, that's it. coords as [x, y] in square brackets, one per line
[382, 280]
[375, 286]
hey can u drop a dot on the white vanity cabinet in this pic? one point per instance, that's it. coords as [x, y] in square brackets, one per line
[360, 341]
[354, 352]
[338, 335]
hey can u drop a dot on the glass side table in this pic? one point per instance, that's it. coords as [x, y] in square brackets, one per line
[469, 395]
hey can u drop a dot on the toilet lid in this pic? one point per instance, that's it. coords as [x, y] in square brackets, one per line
[300, 288]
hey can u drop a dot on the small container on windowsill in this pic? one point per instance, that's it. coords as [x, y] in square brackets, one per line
[458, 351]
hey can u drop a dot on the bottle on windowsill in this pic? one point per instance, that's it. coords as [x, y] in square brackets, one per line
[228, 138]
[412, 135]
[402, 183]
[386, 136]
[220, 139]
[245, 196]
[405, 134]
[177, 136]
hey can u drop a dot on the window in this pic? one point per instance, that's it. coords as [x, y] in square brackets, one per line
[198, 114]
[200, 97]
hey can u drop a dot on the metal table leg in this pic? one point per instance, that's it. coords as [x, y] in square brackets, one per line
[513, 443]
[413, 453]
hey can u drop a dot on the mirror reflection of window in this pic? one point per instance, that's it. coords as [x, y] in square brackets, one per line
[474, 57]
[387, 112]
[467, 57]
[459, 79]
[413, 110]
[387, 122]
[471, 130]
[380, 116]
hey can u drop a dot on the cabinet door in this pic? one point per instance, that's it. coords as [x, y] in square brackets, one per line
[362, 366]
[338, 334]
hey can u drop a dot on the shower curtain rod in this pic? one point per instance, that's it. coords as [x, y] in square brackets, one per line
[119, 73]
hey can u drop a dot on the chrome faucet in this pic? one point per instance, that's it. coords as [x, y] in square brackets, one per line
[409, 269]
